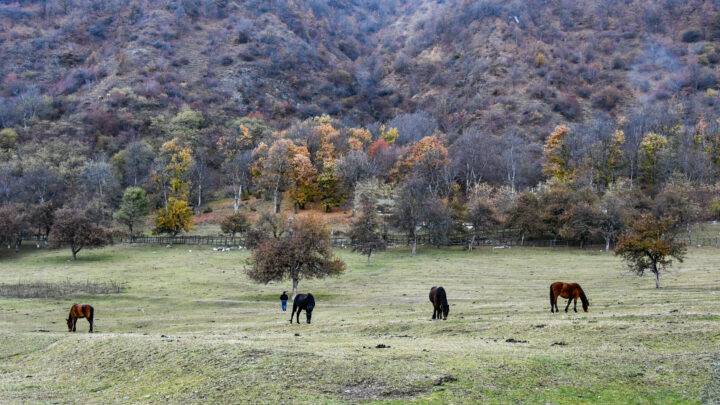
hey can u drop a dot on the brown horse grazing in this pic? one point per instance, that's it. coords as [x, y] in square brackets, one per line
[80, 311]
[571, 291]
[440, 304]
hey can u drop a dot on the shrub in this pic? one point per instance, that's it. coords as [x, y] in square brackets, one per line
[568, 106]
[691, 35]
[607, 99]
[234, 224]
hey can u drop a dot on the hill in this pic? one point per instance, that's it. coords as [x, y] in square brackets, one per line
[303, 101]
[109, 67]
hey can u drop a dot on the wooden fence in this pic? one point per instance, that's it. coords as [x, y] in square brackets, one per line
[343, 241]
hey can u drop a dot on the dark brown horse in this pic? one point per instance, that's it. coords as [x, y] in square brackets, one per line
[303, 301]
[78, 311]
[570, 291]
[440, 304]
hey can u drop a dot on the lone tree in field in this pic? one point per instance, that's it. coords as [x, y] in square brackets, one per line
[234, 224]
[303, 250]
[133, 208]
[365, 233]
[74, 229]
[650, 244]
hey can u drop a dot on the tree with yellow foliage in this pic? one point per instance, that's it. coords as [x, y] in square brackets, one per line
[176, 160]
[609, 170]
[174, 218]
[557, 155]
[653, 149]
[390, 135]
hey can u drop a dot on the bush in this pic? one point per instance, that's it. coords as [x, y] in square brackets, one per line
[607, 99]
[234, 224]
[691, 35]
[568, 106]
[714, 209]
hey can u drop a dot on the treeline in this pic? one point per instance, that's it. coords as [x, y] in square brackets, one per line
[586, 183]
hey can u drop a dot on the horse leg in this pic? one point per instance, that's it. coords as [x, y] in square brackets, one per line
[434, 312]
[293, 313]
[90, 321]
[568, 304]
[575, 304]
[74, 321]
[298, 315]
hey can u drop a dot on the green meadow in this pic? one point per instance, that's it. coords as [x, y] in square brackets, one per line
[190, 327]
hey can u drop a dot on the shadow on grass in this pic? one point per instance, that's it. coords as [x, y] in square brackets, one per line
[25, 251]
[276, 296]
[58, 257]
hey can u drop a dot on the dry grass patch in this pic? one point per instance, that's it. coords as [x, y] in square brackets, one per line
[63, 289]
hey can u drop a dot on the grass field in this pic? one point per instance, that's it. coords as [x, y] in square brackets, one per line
[190, 327]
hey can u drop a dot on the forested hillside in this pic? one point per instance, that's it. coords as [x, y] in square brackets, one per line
[448, 104]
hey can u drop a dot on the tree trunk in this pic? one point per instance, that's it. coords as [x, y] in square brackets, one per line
[472, 242]
[295, 281]
[74, 252]
[276, 201]
[607, 244]
[199, 204]
[236, 201]
[414, 245]
[522, 240]
[657, 275]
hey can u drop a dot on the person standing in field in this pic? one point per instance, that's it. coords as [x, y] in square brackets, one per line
[283, 301]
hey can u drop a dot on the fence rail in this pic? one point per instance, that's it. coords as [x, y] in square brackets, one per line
[185, 240]
[343, 241]
[394, 240]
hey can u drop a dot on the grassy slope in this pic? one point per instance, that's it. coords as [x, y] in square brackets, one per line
[192, 327]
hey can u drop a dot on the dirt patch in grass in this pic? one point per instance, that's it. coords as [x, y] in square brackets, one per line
[38, 289]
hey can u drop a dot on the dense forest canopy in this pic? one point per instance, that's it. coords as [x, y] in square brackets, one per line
[318, 101]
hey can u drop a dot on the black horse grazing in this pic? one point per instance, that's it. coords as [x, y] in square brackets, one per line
[440, 305]
[303, 301]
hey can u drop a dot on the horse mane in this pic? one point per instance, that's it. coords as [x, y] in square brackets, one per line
[583, 298]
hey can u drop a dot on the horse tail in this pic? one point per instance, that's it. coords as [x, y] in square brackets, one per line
[583, 298]
[442, 297]
[552, 296]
